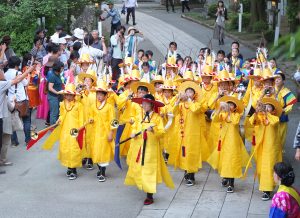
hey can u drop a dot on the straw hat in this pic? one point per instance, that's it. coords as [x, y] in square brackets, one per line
[168, 84]
[239, 104]
[134, 86]
[267, 74]
[85, 58]
[101, 87]
[136, 73]
[189, 84]
[70, 89]
[223, 76]
[207, 71]
[274, 103]
[257, 73]
[188, 76]
[148, 98]
[131, 28]
[157, 79]
[89, 74]
[128, 61]
[127, 78]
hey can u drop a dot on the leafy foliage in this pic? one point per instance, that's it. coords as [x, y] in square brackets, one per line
[19, 18]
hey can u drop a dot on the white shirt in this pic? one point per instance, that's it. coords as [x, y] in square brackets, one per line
[21, 93]
[130, 3]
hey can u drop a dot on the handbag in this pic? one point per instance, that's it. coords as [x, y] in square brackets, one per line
[22, 106]
[17, 124]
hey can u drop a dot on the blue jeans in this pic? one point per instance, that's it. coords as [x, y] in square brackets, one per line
[54, 108]
[26, 129]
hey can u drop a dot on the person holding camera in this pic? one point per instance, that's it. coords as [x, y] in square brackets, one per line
[115, 16]
[221, 14]
[117, 43]
[131, 42]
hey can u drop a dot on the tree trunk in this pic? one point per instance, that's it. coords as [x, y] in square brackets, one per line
[257, 11]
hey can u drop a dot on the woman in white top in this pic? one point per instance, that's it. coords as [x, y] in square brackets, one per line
[219, 32]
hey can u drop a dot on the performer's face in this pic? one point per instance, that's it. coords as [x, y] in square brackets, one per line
[168, 93]
[269, 83]
[232, 106]
[69, 97]
[224, 86]
[147, 106]
[88, 82]
[272, 63]
[206, 79]
[84, 67]
[257, 82]
[235, 52]
[190, 93]
[279, 81]
[141, 93]
[101, 96]
[276, 178]
[221, 57]
[157, 87]
[270, 109]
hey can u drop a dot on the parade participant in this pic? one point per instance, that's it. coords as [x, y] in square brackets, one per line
[236, 63]
[266, 144]
[71, 116]
[140, 54]
[84, 62]
[188, 76]
[146, 164]
[287, 100]
[191, 148]
[146, 73]
[169, 99]
[209, 90]
[234, 45]
[286, 202]
[131, 42]
[230, 154]
[102, 115]
[158, 81]
[89, 80]
[253, 94]
[220, 60]
[124, 107]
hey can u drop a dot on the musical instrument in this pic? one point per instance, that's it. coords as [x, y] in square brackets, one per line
[34, 135]
[116, 123]
[74, 131]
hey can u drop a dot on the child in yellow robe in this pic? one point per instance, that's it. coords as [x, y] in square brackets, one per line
[146, 165]
[71, 116]
[266, 149]
[230, 154]
[102, 113]
[191, 148]
[89, 80]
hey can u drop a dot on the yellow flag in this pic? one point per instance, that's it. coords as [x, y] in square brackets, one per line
[53, 137]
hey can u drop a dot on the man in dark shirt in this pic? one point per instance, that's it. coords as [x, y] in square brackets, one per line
[54, 86]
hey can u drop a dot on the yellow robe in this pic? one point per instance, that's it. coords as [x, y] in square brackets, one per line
[266, 150]
[233, 154]
[87, 99]
[71, 116]
[283, 126]
[124, 108]
[102, 151]
[154, 170]
[255, 93]
[191, 148]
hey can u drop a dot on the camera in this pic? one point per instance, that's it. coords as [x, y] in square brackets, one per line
[136, 31]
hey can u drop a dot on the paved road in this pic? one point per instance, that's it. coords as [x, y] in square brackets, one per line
[36, 186]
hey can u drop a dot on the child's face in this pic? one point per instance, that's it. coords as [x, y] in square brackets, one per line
[145, 69]
[223, 86]
[100, 96]
[147, 106]
[278, 81]
[247, 65]
[140, 54]
[190, 93]
[272, 63]
[69, 97]
[206, 79]
[232, 106]
[168, 93]
[157, 87]
[268, 83]
[88, 82]
[235, 52]
[257, 82]
[84, 67]
[145, 59]
[141, 93]
[173, 48]
[269, 109]
[180, 62]
[276, 178]
[220, 57]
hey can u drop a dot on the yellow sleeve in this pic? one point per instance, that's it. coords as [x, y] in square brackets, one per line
[235, 118]
[273, 120]
[62, 111]
[80, 111]
[159, 127]
[111, 116]
[256, 119]
[122, 100]
[212, 101]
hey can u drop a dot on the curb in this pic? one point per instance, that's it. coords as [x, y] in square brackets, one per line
[251, 46]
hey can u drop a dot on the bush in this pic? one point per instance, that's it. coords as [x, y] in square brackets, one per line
[212, 9]
[234, 21]
[246, 6]
[259, 26]
[269, 35]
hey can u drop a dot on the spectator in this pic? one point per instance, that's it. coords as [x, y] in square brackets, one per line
[38, 51]
[9, 52]
[3, 59]
[114, 14]
[54, 86]
[185, 4]
[58, 30]
[131, 42]
[18, 92]
[221, 14]
[97, 40]
[297, 143]
[172, 5]
[285, 203]
[130, 7]
[4, 86]
[117, 43]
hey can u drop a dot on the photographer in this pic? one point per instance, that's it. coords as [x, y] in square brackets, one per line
[97, 40]
[117, 42]
[131, 41]
[115, 16]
